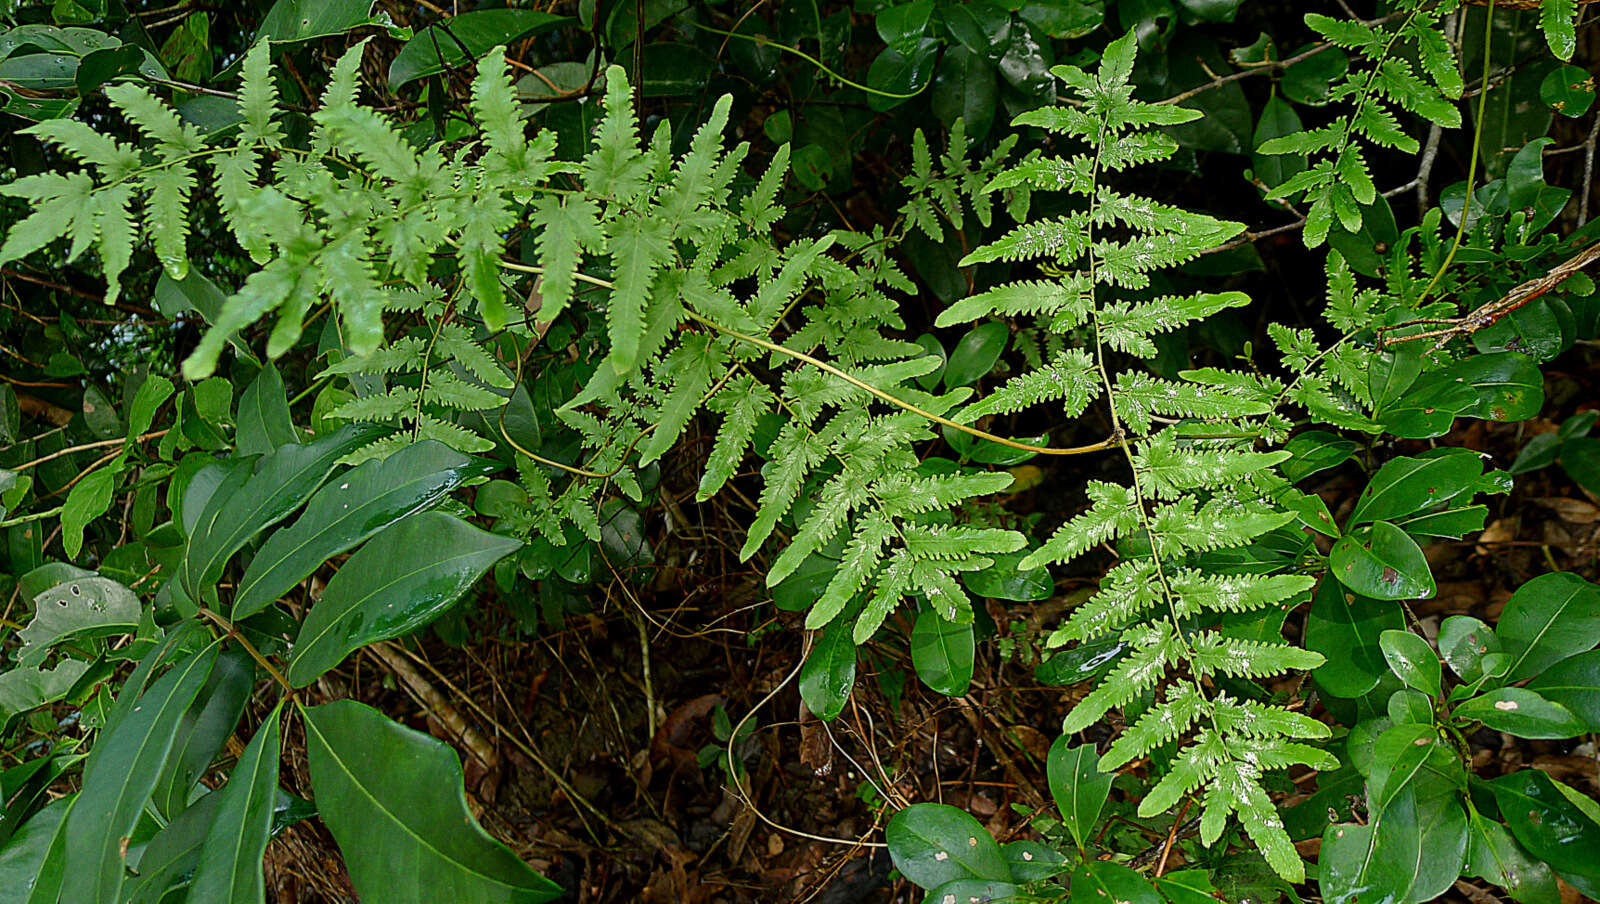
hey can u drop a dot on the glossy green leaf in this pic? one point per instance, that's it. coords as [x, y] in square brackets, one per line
[1451, 524]
[264, 422]
[89, 605]
[87, 500]
[1006, 581]
[829, 671]
[975, 355]
[462, 39]
[281, 482]
[347, 511]
[894, 74]
[1523, 713]
[1379, 857]
[1405, 486]
[1399, 757]
[902, 27]
[147, 399]
[169, 858]
[942, 653]
[1344, 627]
[1494, 856]
[376, 779]
[1031, 861]
[204, 729]
[1187, 886]
[1508, 385]
[1568, 90]
[1382, 562]
[1079, 787]
[964, 87]
[230, 864]
[402, 579]
[1409, 706]
[982, 27]
[1463, 642]
[1573, 682]
[932, 844]
[23, 857]
[1105, 880]
[23, 688]
[1277, 119]
[1548, 619]
[1548, 825]
[292, 21]
[1580, 458]
[118, 778]
[1413, 660]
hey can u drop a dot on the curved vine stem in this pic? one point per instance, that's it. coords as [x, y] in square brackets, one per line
[1472, 164]
[765, 41]
[1110, 442]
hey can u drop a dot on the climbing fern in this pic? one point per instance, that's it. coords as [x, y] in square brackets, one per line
[1200, 484]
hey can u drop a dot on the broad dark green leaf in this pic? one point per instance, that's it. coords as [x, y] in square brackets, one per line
[1548, 825]
[1408, 706]
[976, 353]
[902, 27]
[964, 87]
[942, 653]
[230, 863]
[1373, 862]
[292, 21]
[1079, 787]
[169, 858]
[1463, 642]
[1277, 119]
[88, 605]
[1413, 660]
[1031, 861]
[1452, 523]
[1188, 886]
[460, 40]
[23, 856]
[896, 73]
[1316, 450]
[1063, 18]
[23, 688]
[1548, 619]
[118, 778]
[1509, 386]
[1580, 458]
[378, 780]
[281, 482]
[204, 728]
[1382, 562]
[1429, 407]
[264, 422]
[1104, 880]
[1573, 682]
[1005, 581]
[981, 27]
[1523, 713]
[399, 581]
[360, 503]
[1494, 856]
[1405, 486]
[932, 844]
[1399, 757]
[829, 672]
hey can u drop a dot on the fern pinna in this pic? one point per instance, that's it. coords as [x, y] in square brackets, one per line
[1200, 489]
